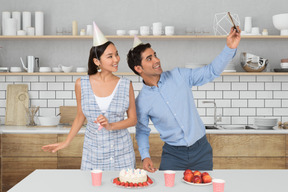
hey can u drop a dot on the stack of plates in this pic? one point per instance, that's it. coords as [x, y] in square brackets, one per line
[265, 123]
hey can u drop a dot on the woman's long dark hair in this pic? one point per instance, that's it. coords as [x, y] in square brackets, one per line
[96, 52]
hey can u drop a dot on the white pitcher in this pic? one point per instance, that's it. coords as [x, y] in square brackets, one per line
[32, 64]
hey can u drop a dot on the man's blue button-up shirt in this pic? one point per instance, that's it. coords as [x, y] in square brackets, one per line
[171, 107]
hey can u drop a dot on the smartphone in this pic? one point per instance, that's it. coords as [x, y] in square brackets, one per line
[233, 22]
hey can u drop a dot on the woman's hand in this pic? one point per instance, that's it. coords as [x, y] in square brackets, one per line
[55, 147]
[103, 121]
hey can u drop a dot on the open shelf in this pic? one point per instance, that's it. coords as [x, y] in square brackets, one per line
[143, 37]
[131, 73]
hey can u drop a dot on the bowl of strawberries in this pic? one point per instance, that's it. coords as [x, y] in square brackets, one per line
[196, 177]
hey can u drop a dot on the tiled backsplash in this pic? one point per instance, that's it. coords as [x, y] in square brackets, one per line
[239, 98]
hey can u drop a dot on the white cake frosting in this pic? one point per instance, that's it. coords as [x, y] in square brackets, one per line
[133, 175]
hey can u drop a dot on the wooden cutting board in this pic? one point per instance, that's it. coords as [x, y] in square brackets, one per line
[16, 100]
[68, 114]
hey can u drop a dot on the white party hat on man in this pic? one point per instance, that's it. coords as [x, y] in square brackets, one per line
[98, 37]
[137, 41]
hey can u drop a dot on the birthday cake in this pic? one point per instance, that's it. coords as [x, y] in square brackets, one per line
[133, 175]
[133, 178]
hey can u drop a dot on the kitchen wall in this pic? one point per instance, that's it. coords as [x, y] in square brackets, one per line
[239, 99]
[131, 14]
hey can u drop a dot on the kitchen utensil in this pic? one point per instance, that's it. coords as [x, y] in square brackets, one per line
[56, 69]
[74, 28]
[255, 31]
[144, 30]
[157, 28]
[17, 100]
[49, 121]
[248, 24]
[21, 33]
[89, 30]
[133, 32]
[81, 69]
[284, 65]
[30, 31]
[32, 64]
[252, 63]
[196, 184]
[66, 69]
[280, 22]
[265, 32]
[45, 69]
[232, 127]
[15, 69]
[4, 69]
[30, 115]
[120, 32]
[233, 22]
[281, 70]
[169, 30]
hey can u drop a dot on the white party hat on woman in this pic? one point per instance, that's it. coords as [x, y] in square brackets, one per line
[98, 37]
[137, 41]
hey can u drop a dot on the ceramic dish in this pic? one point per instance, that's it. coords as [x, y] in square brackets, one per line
[229, 71]
[144, 187]
[197, 184]
[232, 127]
[56, 69]
[281, 70]
[45, 69]
[15, 69]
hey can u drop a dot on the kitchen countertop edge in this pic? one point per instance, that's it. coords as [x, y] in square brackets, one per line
[60, 129]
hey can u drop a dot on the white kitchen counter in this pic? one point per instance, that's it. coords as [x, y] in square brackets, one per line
[4, 129]
[77, 180]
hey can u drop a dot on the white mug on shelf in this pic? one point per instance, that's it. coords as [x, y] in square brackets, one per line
[30, 31]
[255, 31]
[89, 30]
[133, 32]
[144, 30]
[120, 32]
[169, 30]
[157, 28]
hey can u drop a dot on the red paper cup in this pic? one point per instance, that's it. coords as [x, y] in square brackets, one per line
[169, 178]
[96, 177]
[218, 185]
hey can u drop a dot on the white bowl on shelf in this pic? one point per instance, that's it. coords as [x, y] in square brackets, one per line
[15, 69]
[280, 22]
[284, 65]
[56, 69]
[81, 70]
[66, 69]
[45, 69]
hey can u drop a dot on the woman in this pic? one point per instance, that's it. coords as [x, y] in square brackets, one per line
[103, 98]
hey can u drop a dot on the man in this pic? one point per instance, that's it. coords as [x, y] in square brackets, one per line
[166, 98]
